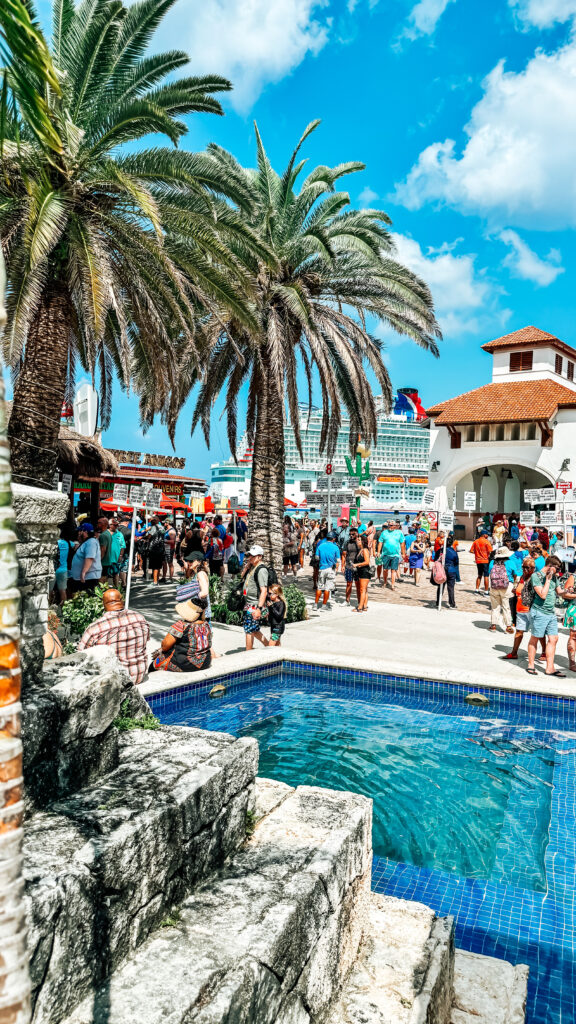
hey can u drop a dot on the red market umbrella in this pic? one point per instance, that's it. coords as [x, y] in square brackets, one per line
[174, 504]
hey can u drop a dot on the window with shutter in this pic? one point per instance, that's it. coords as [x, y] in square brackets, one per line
[570, 370]
[520, 361]
[558, 366]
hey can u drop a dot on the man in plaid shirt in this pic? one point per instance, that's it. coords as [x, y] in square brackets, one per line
[127, 632]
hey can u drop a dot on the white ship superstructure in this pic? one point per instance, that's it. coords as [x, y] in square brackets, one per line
[398, 460]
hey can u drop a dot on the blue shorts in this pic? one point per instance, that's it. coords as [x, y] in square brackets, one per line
[251, 625]
[390, 561]
[348, 575]
[543, 623]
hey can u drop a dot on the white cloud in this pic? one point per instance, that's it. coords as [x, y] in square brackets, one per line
[464, 298]
[424, 17]
[367, 196]
[252, 42]
[523, 262]
[518, 163]
[543, 13]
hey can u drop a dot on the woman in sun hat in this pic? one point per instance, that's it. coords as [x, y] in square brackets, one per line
[187, 644]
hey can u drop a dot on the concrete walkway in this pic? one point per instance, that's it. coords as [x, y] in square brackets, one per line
[397, 639]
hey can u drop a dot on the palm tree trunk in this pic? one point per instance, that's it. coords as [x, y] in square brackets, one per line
[14, 975]
[40, 391]
[267, 483]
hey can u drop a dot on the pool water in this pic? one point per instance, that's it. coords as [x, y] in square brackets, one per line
[474, 808]
[447, 791]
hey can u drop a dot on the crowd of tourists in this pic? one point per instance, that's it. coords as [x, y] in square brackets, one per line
[518, 566]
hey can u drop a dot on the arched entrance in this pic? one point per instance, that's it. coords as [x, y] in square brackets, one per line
[498, 488]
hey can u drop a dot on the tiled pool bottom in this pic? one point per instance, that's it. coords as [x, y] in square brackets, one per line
[520, 903]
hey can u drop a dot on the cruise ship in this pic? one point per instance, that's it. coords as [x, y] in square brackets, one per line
[398, 461]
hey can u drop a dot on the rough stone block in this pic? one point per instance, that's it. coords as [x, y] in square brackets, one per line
[88, 688]
[132, 845]
[269, 794]
[247, 935]
[488, 991]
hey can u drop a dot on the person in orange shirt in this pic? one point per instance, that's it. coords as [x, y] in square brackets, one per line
[481, 549]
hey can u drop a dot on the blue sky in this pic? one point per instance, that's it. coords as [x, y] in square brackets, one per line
[464, 113]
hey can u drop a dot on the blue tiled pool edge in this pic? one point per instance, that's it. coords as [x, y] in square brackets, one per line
[513, 924]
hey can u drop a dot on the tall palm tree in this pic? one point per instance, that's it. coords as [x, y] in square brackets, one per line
[18, 34]
[335, 269]
[107, 253]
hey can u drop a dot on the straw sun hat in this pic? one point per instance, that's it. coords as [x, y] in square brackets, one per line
[189, 611]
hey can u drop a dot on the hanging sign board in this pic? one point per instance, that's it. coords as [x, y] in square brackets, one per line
[469, 501]
[234, 503]
[120, 494]
[547, 494]
[153, 498]
[532, 495]
[564, 486]
[429, 498]
[548, 518]
[446, 520]
[305, 487]
[66, 483]
[528, 518]
[137, 496]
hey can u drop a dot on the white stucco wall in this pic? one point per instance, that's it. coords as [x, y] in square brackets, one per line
[457, 463]
[543, 366]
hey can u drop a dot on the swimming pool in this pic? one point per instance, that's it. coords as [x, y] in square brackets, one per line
[473, 807]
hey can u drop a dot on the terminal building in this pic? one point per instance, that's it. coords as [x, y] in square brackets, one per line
[398, 460]
[514, 434]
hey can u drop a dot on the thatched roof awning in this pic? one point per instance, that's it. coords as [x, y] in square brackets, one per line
[83, 457]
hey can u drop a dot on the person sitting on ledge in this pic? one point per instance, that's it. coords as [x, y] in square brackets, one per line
[127, 632]
[186, 646]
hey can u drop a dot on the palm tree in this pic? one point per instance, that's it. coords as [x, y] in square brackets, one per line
[107, 253]
[21, 35]
[335, 268]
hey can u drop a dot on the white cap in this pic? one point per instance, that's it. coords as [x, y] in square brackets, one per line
[256, 550]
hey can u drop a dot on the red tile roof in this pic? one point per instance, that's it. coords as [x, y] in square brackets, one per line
[527, 336]
[505, 403]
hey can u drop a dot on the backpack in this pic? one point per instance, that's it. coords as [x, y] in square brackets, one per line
[438, 572]
[527, 594]
[235, 599]
[156, 543]
[272, 574]
[233, 565]
[498, 576]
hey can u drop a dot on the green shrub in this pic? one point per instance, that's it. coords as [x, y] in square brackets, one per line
[295, 604]
[124, 722]
[84, 608]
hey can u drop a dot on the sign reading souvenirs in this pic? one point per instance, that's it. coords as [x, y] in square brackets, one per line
[146, 459]
[469, 501]
[446, 520]
[429, 499]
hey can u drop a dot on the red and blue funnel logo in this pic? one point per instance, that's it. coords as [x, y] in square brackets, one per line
[408, 404]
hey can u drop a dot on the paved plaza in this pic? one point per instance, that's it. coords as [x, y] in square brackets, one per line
[402, 633]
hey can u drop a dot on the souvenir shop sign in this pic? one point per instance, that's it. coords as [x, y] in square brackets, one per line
[146, 459]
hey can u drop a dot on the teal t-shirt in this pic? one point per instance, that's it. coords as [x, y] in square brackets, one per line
[117, 545]
[391, 541]
[548, 603]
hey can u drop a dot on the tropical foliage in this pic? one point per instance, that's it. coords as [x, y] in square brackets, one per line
[107, 252]
[335, 271]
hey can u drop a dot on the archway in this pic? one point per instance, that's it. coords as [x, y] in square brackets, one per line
[498, 488]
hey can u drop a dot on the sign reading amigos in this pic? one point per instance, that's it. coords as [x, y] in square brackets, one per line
[146, 459]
